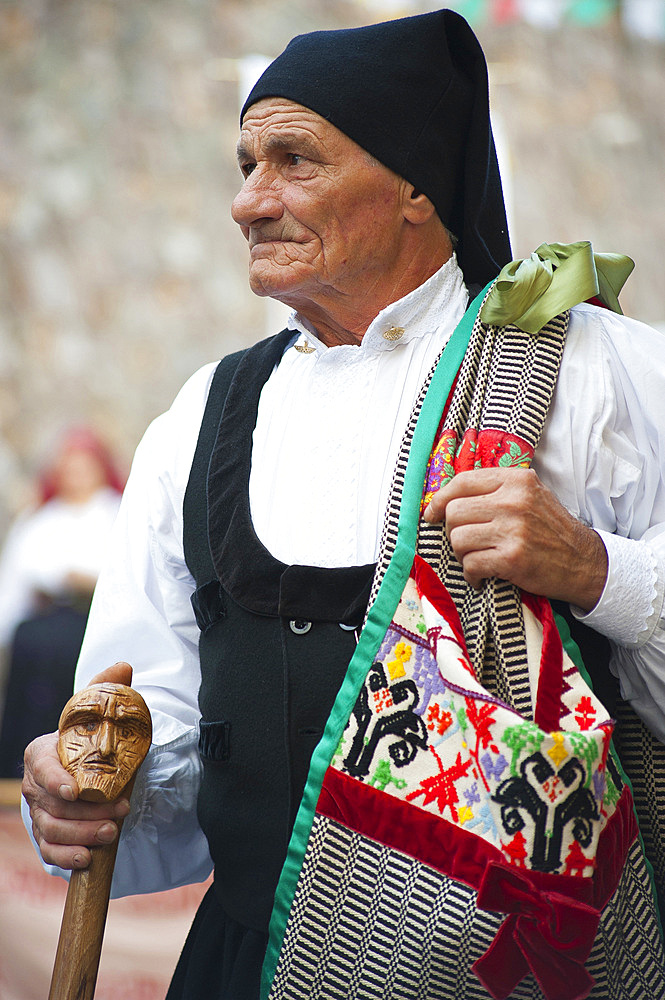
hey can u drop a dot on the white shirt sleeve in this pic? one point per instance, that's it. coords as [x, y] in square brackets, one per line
[603, 454]
[142, 613]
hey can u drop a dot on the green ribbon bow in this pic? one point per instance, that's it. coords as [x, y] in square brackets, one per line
[529, 293]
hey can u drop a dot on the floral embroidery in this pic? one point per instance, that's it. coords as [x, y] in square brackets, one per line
[494, 766]
[576, 861]
[428, 678]
[558, 752]
[586, 748]
[515, 850]
[611, 795]
[517, 738]
[481, 717]
[486, 448]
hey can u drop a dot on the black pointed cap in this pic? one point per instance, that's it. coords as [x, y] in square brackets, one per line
[413, 92]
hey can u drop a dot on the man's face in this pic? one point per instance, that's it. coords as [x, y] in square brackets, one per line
[105, 733]
[321, 217]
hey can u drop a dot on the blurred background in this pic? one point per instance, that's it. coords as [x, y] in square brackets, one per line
[121, 271]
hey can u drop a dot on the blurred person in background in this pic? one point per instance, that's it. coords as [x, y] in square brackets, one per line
[48, 570]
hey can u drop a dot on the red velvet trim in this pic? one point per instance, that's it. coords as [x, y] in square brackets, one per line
[551, 920]
[547, 713]
[459, 853]
[547, 933]
[405, 828]
[429, 584]
[614, 843]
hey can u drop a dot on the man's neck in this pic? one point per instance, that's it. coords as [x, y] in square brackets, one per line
[413, 311]
[345, 320]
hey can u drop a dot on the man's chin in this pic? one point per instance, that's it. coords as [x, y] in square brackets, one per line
[274, 282]
[100, 787]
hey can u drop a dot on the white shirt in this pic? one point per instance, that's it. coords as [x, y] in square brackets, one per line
[602, 452]
[330, 425]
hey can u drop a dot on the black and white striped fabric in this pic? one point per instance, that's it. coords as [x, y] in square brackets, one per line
[366, 949]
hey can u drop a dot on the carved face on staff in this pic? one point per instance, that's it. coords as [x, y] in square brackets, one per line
[105, 733]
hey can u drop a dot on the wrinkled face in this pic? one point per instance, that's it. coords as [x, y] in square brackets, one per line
[321, 217]
[105, 733]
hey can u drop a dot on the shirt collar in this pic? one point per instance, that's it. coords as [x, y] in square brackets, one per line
[443, 296]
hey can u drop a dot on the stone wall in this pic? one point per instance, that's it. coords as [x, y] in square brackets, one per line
[121, 271]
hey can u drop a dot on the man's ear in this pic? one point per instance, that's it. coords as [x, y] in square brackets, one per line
[416, 206]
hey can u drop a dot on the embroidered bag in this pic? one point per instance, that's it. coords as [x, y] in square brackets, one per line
[464, 831]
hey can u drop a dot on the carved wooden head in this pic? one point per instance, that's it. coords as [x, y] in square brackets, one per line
[105, 732]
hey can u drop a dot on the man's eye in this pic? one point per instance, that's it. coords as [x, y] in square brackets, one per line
[86, 728]
[247, 168]
[296, 159]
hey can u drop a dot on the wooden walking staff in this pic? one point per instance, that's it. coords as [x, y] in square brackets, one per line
[105, 732]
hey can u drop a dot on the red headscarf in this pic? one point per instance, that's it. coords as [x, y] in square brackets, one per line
[81, 439]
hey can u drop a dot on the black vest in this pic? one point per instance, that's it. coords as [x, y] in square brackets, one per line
[274, 646]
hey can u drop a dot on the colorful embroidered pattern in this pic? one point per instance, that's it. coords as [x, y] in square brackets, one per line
[425, 726]
[478, 449]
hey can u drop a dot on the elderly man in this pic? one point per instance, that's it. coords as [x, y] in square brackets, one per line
[260, 499]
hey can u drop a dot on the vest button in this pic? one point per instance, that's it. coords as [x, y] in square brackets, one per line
[299, 626]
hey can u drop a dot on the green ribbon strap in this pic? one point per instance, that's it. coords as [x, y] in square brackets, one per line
[529, 293]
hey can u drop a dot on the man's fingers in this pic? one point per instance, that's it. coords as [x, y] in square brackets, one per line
[65, 842]
[471, 511]
[119, 673]
[505, 523]
[64, 827]
[477, 483]
[469, 538]
[54, 839]
[43, 771]
[53, 831]
[65, 857]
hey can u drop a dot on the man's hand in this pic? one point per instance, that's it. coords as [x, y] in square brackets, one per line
[506, 523]
[64, 826]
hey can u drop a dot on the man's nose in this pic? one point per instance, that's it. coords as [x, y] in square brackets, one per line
[258, 198]
[106, 744]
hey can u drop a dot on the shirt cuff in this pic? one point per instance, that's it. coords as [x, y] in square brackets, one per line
[162, 845]
[630, 605]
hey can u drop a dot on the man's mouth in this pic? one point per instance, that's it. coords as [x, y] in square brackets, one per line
[257, 244]
[100, 764]
[258, 239]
